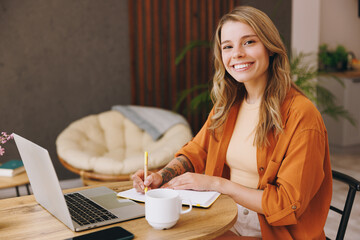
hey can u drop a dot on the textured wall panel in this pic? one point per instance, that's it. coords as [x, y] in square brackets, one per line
[159, 31]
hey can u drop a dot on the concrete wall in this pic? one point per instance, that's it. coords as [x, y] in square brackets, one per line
[60, 60]
[340, 24]
[305, 26]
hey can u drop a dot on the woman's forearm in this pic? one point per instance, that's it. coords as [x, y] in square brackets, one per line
[176, 167]
[246, 197]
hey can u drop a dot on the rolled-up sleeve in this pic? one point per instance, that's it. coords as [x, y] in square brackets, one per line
[196, 150]
[299, 178]
[195, 153]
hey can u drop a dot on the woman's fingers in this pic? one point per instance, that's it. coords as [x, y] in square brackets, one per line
[192, 181]
[183, 181]
[138, 183]
[152, 181]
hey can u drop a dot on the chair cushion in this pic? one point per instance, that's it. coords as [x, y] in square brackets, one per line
[109, 143]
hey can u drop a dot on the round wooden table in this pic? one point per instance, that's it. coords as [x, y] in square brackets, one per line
[200, 223]
[15, 181]
[24, 218]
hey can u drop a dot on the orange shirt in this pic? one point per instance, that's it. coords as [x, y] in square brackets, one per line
[294, 170]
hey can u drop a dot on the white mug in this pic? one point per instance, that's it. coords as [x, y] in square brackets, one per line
[163, 208]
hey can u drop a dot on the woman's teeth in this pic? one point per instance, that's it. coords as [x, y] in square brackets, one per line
[241, 66]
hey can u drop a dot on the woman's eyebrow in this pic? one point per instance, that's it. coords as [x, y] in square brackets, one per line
[249, 35]
[226, 41]
[245, 36]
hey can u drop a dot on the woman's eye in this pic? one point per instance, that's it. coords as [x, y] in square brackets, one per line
[226, 47]
[249, 42]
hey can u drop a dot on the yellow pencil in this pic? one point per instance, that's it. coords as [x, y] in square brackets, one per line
[145, 169]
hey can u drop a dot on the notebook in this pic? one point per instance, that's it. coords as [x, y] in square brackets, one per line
[202, 199]
[100, 204]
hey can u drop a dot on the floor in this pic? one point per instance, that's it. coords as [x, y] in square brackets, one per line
[345, 160]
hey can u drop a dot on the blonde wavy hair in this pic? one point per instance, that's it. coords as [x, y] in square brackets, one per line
[226, 90]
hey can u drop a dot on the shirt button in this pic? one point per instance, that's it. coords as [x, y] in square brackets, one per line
[261, 169]
[293, 207]
[245, 211]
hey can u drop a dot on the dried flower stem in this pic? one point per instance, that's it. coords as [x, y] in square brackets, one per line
[4, 137]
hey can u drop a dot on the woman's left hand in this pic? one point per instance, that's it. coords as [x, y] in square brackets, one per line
[194, 181]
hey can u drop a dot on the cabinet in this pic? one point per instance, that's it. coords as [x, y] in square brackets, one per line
[341, 132]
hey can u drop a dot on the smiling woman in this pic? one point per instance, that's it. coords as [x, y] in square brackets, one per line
[264, 143]
[250, 33]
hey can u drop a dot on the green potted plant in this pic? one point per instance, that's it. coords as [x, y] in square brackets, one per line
[332, 60]
[303, 75]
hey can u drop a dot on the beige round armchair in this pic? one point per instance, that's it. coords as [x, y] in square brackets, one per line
[110, 147]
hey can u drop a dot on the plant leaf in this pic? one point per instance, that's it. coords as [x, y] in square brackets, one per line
[183, 95]
[190, 46]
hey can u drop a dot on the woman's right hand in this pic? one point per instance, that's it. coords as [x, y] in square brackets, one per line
[153, 180]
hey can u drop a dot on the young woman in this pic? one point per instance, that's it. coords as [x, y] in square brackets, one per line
[264, 143]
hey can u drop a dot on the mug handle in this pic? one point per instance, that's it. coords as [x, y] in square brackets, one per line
[187, 210]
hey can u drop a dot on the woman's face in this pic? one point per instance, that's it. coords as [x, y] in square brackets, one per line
[243, 54]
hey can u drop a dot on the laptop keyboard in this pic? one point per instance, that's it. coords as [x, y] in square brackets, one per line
[84, 211]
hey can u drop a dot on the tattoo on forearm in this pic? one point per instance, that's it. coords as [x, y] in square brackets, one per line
[177, 169]
[185, 163]
[167, 174]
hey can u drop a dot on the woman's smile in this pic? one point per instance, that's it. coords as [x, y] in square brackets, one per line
[242, 66]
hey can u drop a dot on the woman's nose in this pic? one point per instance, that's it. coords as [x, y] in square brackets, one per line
[238, 52]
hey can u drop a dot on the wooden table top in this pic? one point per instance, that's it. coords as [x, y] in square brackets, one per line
[24, 218]
[17, 180]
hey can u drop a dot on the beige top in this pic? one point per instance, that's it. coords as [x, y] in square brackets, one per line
[241, 153]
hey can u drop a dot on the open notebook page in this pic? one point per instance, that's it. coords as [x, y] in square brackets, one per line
[198, 198]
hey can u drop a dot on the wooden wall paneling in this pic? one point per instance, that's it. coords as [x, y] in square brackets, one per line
[159, 30]
[210, 31]
[133, 44]
[181, 68]
[195, 78]
[148, 53]
[205, 58]
[158, 92]
[165, 36]
[173, 15]
[189, 56]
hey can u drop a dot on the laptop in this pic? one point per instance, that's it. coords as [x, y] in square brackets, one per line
[100, 205]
